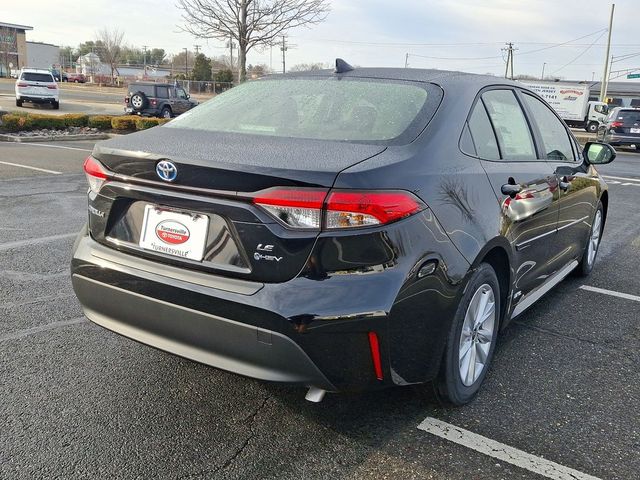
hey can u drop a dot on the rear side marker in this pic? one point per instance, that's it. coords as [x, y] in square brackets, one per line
[375, 354]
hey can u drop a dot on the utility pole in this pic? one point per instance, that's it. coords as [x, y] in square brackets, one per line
[144, 57]
[543, 65]
[509, 51]
[186, 65]
[231, 46]
[284, 48]
[607, 66]
[406, 60]
[197, 48]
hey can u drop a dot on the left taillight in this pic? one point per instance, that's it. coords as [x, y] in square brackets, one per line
[337, 209]
[96, 173]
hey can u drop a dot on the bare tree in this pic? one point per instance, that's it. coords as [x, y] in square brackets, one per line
[7, 46]
[250, 23]
[112, 43]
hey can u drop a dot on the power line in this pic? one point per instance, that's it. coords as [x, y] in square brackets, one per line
[580, 54]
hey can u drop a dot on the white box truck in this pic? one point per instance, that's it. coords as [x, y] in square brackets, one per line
[571, 102]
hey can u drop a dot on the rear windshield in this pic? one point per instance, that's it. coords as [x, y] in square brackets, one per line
[357, 110]
[628, 116]
[148, 90]
[36, 77]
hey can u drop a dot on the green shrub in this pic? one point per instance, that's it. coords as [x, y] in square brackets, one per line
[102, 122]
[52, 122]
[162, 121]
[142, 123]
[16, 123]
[125, 122]
[75, 119]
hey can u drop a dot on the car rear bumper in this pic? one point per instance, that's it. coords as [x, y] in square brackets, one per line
[27, 98]
[199, 336]
[616, 140]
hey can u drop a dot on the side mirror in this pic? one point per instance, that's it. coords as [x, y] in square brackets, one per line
[599, 153]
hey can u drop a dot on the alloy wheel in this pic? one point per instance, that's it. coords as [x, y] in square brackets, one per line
[477, 335]
[594, 241]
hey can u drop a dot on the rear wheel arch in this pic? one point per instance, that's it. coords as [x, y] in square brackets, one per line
[496, 254]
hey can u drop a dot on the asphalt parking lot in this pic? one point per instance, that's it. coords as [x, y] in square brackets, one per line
[77, 401]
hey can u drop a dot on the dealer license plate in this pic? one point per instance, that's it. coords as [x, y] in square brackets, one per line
[174, 233]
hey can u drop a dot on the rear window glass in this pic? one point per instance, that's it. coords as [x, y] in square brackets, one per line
[36, 77]
[163, 92]
[627, 116]
[329, 108]
[148, 90]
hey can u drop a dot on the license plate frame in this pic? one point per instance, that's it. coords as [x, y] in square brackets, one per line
[175, 233]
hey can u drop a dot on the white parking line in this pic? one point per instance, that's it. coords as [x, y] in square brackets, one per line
[626, 296]
[501, 451]
[40, 328]
[35, 241]
[31, 144]
[31, 168]
[624, 179]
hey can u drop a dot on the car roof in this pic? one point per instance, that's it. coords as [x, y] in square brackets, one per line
[444, 78]
[35, 70]
[159, 84]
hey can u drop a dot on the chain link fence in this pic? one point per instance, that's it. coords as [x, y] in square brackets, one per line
[192, 86]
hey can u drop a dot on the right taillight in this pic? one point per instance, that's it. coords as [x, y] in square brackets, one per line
[96, 174]
[338, 209]
[348, 209]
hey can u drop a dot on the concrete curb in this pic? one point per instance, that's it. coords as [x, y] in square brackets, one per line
[17, 139]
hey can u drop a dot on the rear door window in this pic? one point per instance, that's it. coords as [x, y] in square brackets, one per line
[510, 125]
[37, 77]
[557, 145]
[148, 90]
[484, 138]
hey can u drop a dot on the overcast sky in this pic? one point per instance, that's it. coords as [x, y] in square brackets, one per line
[464, 34]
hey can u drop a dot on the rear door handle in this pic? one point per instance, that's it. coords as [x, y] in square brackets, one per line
[511, 190]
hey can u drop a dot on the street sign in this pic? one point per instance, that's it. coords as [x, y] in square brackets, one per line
[633, 75]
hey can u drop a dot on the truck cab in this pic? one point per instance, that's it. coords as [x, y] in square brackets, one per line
[596, 115]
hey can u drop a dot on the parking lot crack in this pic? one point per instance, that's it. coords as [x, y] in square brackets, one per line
[250, 419]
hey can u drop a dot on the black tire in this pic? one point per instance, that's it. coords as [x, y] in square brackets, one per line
[592, 127]
[56, 105]
[449, 385]
[587, 261]
[18, 103]
[166, 112]
[138, 101]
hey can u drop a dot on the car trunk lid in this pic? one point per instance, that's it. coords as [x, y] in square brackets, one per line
[217, 173]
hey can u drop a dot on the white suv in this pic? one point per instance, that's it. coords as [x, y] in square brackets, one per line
[37, 86]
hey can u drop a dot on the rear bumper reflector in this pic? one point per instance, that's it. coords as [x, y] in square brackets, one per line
[375, 354]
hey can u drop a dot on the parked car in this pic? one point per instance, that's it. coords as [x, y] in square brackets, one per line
[347, 230]
[37, 86]
[622, 128]
[74, 77]
[157, 100]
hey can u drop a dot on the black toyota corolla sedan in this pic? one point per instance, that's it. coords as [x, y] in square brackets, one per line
[342, 230]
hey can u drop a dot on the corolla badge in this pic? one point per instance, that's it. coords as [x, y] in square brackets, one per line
[166, 170]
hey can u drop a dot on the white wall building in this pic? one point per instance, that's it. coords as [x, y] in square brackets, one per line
[42, 55]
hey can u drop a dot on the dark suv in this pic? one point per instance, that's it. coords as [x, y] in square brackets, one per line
[622, 127]
[157, 100]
